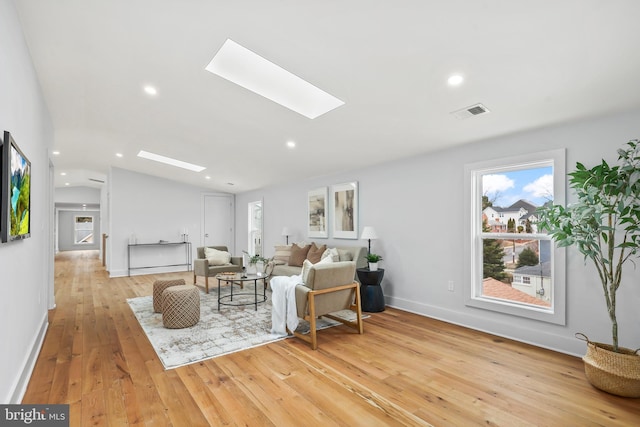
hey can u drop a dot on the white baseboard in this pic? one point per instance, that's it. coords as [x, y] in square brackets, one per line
[21, 383]
[145, 271]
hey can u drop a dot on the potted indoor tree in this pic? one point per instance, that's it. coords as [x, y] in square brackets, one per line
[604, 225]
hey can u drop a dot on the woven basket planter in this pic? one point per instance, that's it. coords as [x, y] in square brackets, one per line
[615, 373]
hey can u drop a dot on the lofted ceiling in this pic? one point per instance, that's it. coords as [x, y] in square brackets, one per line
[532, 64]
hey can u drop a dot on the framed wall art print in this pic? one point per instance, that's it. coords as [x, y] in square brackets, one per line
[345, 210]
[317, 209]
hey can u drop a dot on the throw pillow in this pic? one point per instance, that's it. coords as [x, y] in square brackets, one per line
[298, 255]
[306, 267]
[345, 255]
[325, 260]
[332, 253]
[282, 254]
[217, 257]
[315, 252]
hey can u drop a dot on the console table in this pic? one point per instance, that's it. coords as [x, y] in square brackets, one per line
[187, 249]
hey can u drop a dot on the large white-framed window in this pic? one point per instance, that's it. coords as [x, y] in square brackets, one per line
[513, 267]
[83, 229]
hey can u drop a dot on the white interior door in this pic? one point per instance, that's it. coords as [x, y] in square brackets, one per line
[255, 228]
[218, 221]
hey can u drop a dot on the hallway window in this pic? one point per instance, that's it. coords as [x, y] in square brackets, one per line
[83, 230]
[513, 267]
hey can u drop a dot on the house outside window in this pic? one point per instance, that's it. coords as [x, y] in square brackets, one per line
[513, 267]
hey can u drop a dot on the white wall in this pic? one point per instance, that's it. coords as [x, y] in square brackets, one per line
[65, 198]
[24, 264]
[77, 195]
[417, 208]
[66, 230]
[153, 209]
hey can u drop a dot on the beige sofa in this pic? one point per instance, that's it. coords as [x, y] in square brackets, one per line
[346, 253]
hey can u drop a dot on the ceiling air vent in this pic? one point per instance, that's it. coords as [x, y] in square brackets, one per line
[473, 110]
[96, 180]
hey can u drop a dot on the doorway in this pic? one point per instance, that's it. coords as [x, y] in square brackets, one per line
[255, 228]
[218, 229]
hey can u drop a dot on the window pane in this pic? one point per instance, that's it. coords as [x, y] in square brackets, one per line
[84, 236]
[510, 199]
[84, 229]
[517, 270]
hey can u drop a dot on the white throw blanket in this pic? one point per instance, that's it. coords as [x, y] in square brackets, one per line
[283, 300]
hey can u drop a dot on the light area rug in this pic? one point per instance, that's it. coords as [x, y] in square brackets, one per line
[233, 328]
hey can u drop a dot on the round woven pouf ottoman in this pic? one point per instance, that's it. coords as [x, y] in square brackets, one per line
[180, 306]
[158, 288]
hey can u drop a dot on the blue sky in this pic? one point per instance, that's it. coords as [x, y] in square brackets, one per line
[505, 188]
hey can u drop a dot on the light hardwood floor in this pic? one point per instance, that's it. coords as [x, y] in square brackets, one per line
[405, 370]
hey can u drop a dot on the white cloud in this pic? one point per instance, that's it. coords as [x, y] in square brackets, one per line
[492, 184]
[541, 187]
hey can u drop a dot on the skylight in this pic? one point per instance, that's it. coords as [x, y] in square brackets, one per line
[170, 161]
[245, 68]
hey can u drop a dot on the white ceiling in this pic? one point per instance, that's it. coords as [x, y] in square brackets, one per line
[531, 63]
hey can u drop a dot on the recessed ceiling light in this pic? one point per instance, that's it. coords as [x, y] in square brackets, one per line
[150, 90]
[207, 177]
[170, 161]
[63, 173]
[291, 144]
[55, 153]
[118, 154]
[245, 68]
[455, 80]
[66, 183]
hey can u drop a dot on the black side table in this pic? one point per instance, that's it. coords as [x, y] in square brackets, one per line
[370, 290]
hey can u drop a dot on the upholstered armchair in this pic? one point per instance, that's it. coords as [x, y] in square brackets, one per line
[328, 288]
[202, 266]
